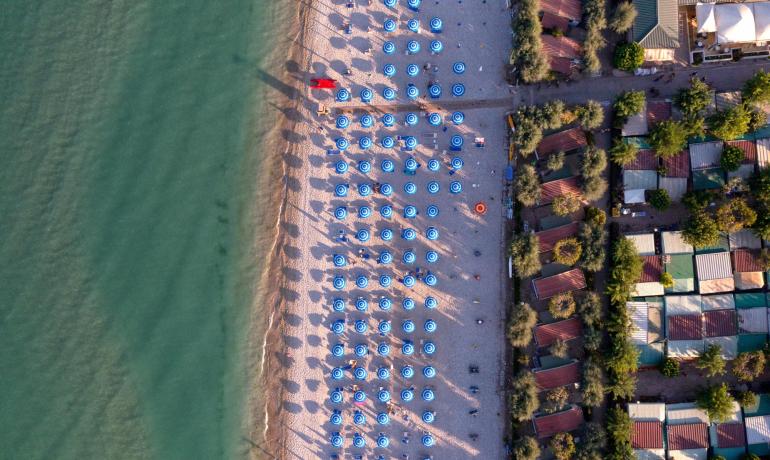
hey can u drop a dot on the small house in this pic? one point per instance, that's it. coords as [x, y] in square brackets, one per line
[566, 330]
[561, 422]
[549, 286]
[565, 141]
[559, 187]
[559, 376]
[649, 283]
[647, 434]
[728, 437]
[643, 242]
[715, 273]
[747, 269]
[687, 432]
[548, 238]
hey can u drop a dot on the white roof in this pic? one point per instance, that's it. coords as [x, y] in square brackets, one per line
[752, 320]
[675, 186]
[707, 22]
[714, 266]
[639, 322]
[636, 125]
[633, 196]
[717, 285]
[762, 20]
[763, 152]
[688, 454]
[647, 412]
[758, 429]
[644, 243]
[683, 304]
[743, 171]
[718, 302]
[705, 154]
[648, 289]
[729, 345]
[744, 239]
[650, 454]
[681, 413]
[673, 243]
[685, 348]
[735, 23]
[640, 179]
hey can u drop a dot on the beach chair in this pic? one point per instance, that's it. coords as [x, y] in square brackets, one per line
[333, 152]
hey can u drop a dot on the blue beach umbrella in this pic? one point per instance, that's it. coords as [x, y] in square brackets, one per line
[359, 418]
[385, 257]
[410, 142]
[410, 164]
[382, 418]
[383, 327]
[383, 441]
[364, 189]
[409, 281]
[337, 373]
[360, 373]
[360, 442]
[457, 163]
[429, 372]
[389, 25]
[336, 440]
[386, 211]
[410, 212]
[336, 418]
[458, 89]
[434, 90]
[336, 396]
[338, 304]
[365, 142]
[431, 302]
[362, 235]
[407, 395]
[341, 213]
[458, 118]
[429, 326]
[432, 211]
[361, 350]
[361, 304]
[338, 350]
[385, 281]
[436, 46]
[341, 143]
[383, 373]
[436, 25]
[366, 120]
[364, 212]
[429, 348]
[428, 395]
[434, 165]
[385, 304]
[407, 348]
[383, 395]
[408, 303]
[409, 257]
[388, 119]
[386, 234]
[428, 441]
[343, 95]
[407, 326]
[339, 283]
[431, 257]
[412, 47]
[456, 142]
[387, 142]
[430, 279]
[388, 48]
[386, 189]
[455, 187]
[408, 234]
[413, 25]
[366, 95]
[383, 349]
[410, 188]
[360, 326]
[389, 70]
[362, 281]
[411, 119]
[412, 92]
[458, 68]
[363, 165]
[342, 122]
[414, 5]
[407, 372]
[341, 190]
[412, 70]
[341, 167]
[339, 260]
[428, 416]
[433, 187]
[387, 166]
[388, 93]
[390, 3]
[434, 119]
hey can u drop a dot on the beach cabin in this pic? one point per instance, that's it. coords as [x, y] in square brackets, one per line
[720, 324]
[748, 269]
[548, 238]
[684, 326]
[643, 242]
[656, 28]
[567, 141]
[560, 14]
[673, 243]
[647, 331]
[559, 376]
[566, 330]
[752, 320]
[743, 239]
[675, 173]
[746, 169]
[678, 261]
[547, 425]
[757, 423]
[559, 187]
[728, 438]
[562, 53]
[715, 273]
[649, 283]
[636, 182]
[704, 163]
[647, 434]
[763, 152]
[687, 432]
[549, 286]
[636, 124]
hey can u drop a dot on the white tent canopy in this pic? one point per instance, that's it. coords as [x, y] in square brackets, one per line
[707, 21]
[735, 23]
[633, 196]
[762, 20]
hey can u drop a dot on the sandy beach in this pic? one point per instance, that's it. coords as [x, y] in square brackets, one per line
[470, 270]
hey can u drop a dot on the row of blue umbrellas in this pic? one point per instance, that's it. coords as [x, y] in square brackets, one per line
[386, 211]
[386, 257]
[365, 189]
[361, 327]
[384, 303]
[410, 119]
[382, 418]
[436, 25]
[410, 142]
[367, 95]
[389, 166]
[383, 395]
[383, 348]
[362, 281]
[383, 373]
[413, 47]
[382, 440]
[413, 5]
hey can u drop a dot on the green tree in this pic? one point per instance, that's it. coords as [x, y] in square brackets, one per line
[594, 442]
[593, 385]
[668, 138]
[697, 200]
[594, 187]
[667, 280]
[623, 17]
[619, 430]
[628, 56]
[523, 319]
[524, 396]
[594, 162]
[530, 60]
[550, 115]
[761, 226]
[567, 251]
[711, 362]
[555, 162]
[562, 305]
[749, 365]
[526, 448]
[559, 348]
[527, 185]
[757, 88]
[732, 157]
[694, 100]
[757, 119]
[760, 186]
[590, 115]
[593, 238]
[735, 215]
[717, 402]
[627, 103]
[525, 252]
[700, 230]
[659, 199]
[623, 153]
[590, 309]
[563, 446]
[528, 134]
[750, 456]
[669, 368]
[564, 205]
[595, 216]
[731, 123]
[747, 399]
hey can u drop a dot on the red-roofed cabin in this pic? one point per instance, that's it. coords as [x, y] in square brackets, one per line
[687, 436]
[730, 435]
[678, 165]
[746, 261]
[552, 21]
[568, 329]
[561, 51]
[647, 435]
[569, 9]
[560, 422]
[685, 327]
[549, 238]
[652, 268]
[556, 377]
[720, 323]
[658, 111]
[563, 141]
[549, 286]
[646, 160]
[560, 187]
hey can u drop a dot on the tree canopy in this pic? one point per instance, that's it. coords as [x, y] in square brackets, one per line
[694, 100]
[717, 402]
[731, 158]
[623, 17]
[530, 60]
[590, 115]
[626, 104]
[757, 88]
[527, 185]
[711, 362]
[523, 319]
[525, 254]
[700, 229]
[731, 123]
[628, 56]
[524, 396]
[668, 138]
[734, 215]
[623, 153]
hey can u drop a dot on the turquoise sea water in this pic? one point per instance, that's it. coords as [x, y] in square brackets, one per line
[130, 155]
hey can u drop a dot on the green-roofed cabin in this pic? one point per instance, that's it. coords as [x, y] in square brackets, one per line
[656, 28]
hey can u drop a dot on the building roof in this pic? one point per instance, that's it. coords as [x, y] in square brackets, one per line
[673, 243]
[676, 187]
[713, 266]
[560, 52]
[679, 266]
[678, 165]
[635, 179]
[636, 124]
[647, 435]
[650, 454]
[746, 260]
[718, 285]
[568, 329]
[719, 323]
[563, 141]
[763, 152]
[564, 421]
[757, 429]
[749, 150]
[647, 411]
[560, 187]
[749, 280]
[680, 413]
[687, 436]
[649, 289]
[557, 376]
[656, 26]
[639, 322]
[645, 160]
[552, 21]
[684, 349]
[685, 327]
[549, 238]
[658, 111]
[717, 302]
[651, 269]
[704, 155]
[570, 9]
[745, 239]
[643, 242]
[752, 320]
[549, 286]
[728, 345]
[744, 171]
[683, 304]
[730, 435]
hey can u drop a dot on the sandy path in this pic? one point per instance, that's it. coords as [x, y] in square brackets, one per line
[310, 230]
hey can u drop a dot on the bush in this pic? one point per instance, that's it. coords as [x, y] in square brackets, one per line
[555, 162]
[695, 99]
[757, 88]
[526, 448]
[668, 138]
[700, 230]
[564, 205]
[590, 308]
[749, 365]
[594, 442]
[595, 216]
[735, 215]
[764, 258]
[559, 348]
[525, 252]
[528, 134]
[619, 430]
[594, 187]
[563, 446]
[659, 199]
[593, 238]
[524, 400]
[555, 400]
[750, 456]
[757, 119]
[626, 269]
[623, 18]
[731, 159]
[711, 362]
[593, 385]
[697, 200]
[567, 251]
[731, 123]
[528, 56]
[627, 104]
[527, 185]
[717, 402]
[669, 368]
[594, 162]
[761, 227]
[550, 115]
[667, 280]
[562, 305]
[628, 56]
[595, 22]
[623, 153]
[760, 186]
[747, 399]
[523, 319]
[590, 115]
